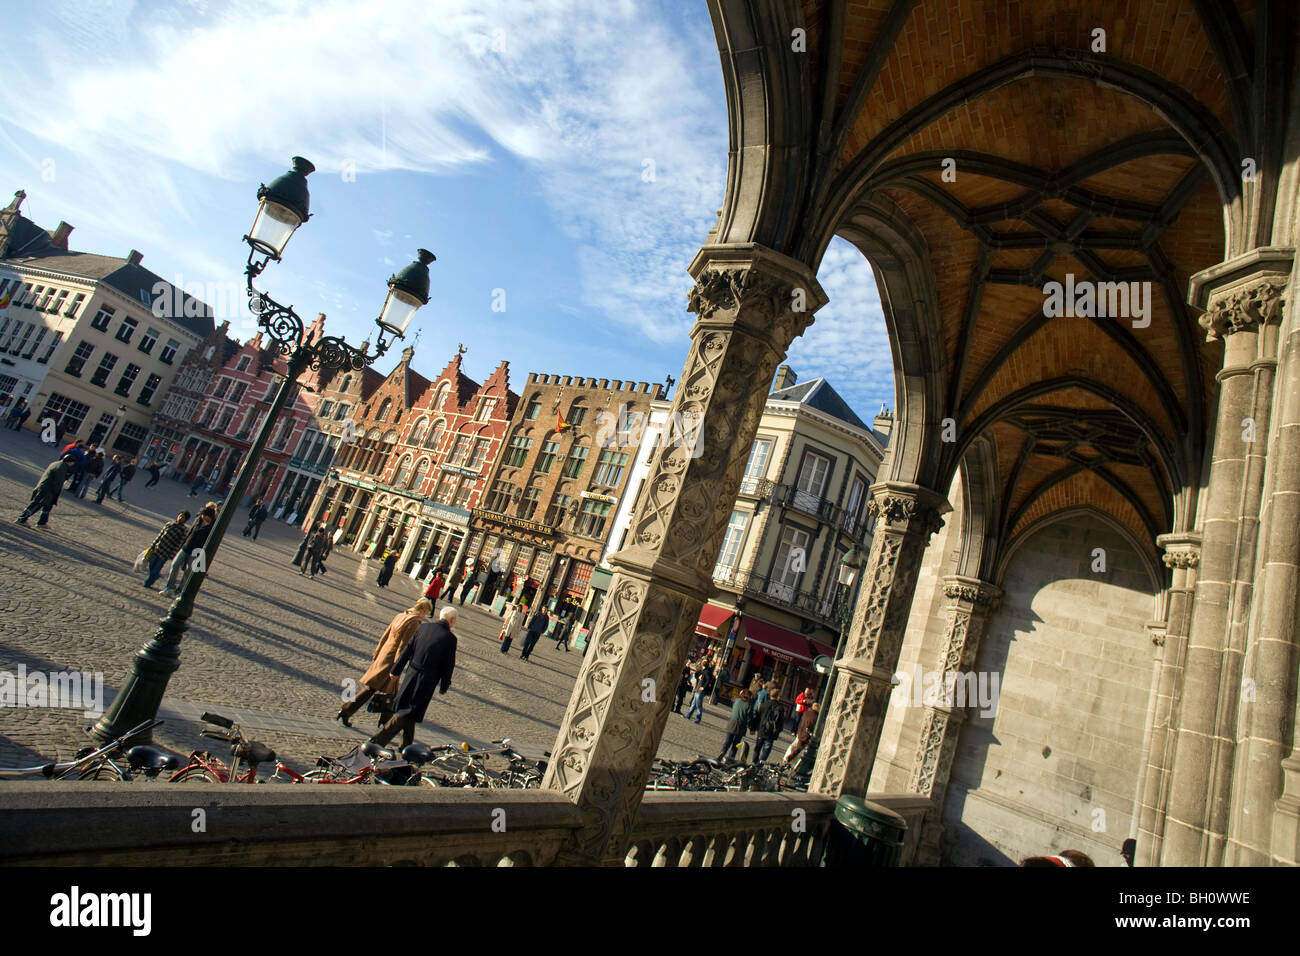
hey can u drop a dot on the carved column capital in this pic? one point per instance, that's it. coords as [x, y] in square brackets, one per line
[972, 591]
[1244, 308]
[901, 507]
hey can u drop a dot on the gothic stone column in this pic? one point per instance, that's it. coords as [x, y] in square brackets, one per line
[971, 603]
[750, 303]
[1182, 556]
[1245, 309]
[906, 517]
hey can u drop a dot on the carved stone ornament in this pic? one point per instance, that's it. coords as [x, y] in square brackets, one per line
[902, 509]
[1182, 557]
[1244, 308]
[971, 593]
[729, 290]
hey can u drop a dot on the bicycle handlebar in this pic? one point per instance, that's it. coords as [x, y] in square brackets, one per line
[217, 719]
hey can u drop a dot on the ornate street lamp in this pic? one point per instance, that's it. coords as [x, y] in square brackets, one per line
[850, 565]
[283, 206]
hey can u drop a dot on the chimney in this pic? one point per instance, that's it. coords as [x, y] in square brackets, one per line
[785, 377]
[133, 258]
[884, 422]
[60, 235]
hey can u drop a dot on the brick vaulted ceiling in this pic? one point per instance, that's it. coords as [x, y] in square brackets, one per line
[1020, 154]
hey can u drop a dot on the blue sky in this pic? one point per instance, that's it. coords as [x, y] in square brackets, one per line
[572, 154]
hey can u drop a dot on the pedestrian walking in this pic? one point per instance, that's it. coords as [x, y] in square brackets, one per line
[194, 542]
[306, 542]
[801, 705]
[199, 482]
[472, 577]
[166, 546]
[316, 551]
[94, 468]
[155, 472]
[683, 687]
[434, 589]
[803, 733]
[110, 475]
[378, 679]
[536, 627]
[386, 572]
[771, 717]
[738, 726]
[511, 625]
[561, 633]
[18, 414]
[431, 656]
[697, 698]
[124, 478]
[46, 493]
[256, 515]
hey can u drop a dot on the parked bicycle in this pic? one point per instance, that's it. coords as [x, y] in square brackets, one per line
[204, 767]
[109, 762]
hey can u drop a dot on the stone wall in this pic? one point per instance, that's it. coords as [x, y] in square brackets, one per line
[1061, 756]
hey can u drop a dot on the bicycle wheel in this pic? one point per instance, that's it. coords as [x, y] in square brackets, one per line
[319, 776]
[196, 775]
[104, 770]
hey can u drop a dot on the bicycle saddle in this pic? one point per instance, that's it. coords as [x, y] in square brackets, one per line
[417, 754]
[255, 753]
[373, 750]
[145, 757]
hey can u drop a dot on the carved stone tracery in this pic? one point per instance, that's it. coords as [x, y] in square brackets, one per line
[1244, 308]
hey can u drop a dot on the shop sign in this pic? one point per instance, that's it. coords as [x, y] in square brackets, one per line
[511, 522]
[591, 494]
[435, 509]
[367, 485]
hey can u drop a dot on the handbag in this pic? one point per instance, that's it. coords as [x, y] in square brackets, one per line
[140, 559]
[380, 704]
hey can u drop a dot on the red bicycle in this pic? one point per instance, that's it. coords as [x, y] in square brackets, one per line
[205, 768]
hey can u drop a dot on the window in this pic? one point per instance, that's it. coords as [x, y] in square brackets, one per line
[242, 364]
[731, 541]
[4, 284]
[480, 453]
[446, 488]
[403, 474]
[577, 414]
[518, 452]
[383, 410]
[64, 410]
[58, 303]
[341, 412]
[105, 369]
[463, 492]
[126, 329]
[224, 422]
[30, 300]
[559, 509]
[238, 391]
[168, 354]
[223, 385]
[500, 496]
[325, 409]
[150, 386]
[528, 503]
[58, 337]
[441, 399]
[130, 438]
[76, 304]
[759, 453]
[790, 564]
[591, 522]
[459, 451]
[421, 473]
[609, 470]
[127, 382]
[435, 436]
[417, 433]
[28, 329]
[208, 414]
[856, 494]
[485, 409]
[149, 340]
[577, 458]
[36, 342]
[102, 318]
[534, 408]
[546, 457]
[45, 302]
[812, 481]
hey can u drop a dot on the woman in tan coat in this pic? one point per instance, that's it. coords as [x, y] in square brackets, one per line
[377, 679]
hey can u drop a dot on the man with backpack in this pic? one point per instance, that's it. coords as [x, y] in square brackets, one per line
[771, 715]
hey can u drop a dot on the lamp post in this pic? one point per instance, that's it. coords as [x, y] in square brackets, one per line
[283, 207]
[850, 564]
[121, 415]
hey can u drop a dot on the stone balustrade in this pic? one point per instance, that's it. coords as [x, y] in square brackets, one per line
[155, 824]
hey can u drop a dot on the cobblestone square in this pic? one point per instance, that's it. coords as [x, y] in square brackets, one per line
[266, 646]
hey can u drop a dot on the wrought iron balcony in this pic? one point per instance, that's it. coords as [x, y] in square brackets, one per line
[781, 495]
[771, 590]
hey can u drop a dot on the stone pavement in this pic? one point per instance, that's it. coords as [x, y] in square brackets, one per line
[266, 646]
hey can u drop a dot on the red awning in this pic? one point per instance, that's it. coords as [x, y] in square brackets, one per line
[781, 641]
[711, 618]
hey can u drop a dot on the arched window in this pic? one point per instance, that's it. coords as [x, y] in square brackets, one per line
[435, 436]
[417, 433]
[441, 397]
[347, 380]
[577, 413]
[420, 474]
[402, 477]
[383, 410]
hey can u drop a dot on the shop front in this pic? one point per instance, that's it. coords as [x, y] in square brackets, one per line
[749, 647]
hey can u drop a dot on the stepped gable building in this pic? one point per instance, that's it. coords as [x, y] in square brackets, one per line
[419, 464]
[553, 493]
[237, 400]
[92, 342]
[180, 406]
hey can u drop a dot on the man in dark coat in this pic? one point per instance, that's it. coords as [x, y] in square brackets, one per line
[256, 515]
[46, 492]
[432, 657]
[536, 628]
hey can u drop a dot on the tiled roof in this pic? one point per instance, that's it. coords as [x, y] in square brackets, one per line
[817, 393]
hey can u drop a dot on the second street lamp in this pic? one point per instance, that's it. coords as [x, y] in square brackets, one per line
[283, 207]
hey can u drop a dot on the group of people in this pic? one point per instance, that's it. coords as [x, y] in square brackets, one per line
[315, 548]
[76, 468]
[428, 649]
[513, 624]
[177, 542]
[20, 412]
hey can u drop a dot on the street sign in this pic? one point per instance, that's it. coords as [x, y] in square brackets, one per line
[822, 664]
